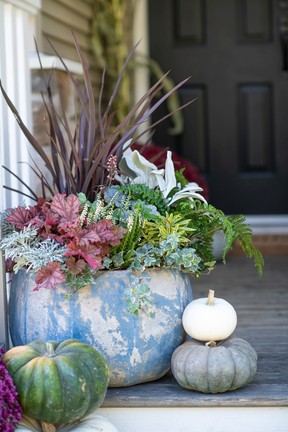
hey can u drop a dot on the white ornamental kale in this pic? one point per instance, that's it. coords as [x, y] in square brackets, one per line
[136, 169]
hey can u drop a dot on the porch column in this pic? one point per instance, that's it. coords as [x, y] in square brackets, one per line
[17, 28]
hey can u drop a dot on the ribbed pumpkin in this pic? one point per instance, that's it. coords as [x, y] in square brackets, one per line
[214, 369]
[58, 383]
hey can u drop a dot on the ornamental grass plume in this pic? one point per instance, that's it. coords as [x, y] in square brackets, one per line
[10, 408]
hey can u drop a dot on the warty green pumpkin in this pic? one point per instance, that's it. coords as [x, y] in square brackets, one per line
[214, 369]
[58, 383]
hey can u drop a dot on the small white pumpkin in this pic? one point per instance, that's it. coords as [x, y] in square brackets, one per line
[209, 319]
[93, 423]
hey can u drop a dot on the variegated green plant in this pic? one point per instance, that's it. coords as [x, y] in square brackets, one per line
[108, 207]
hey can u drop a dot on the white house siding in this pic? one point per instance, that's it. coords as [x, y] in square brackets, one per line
[58, 17]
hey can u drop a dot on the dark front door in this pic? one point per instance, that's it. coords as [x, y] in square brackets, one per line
[236, 132]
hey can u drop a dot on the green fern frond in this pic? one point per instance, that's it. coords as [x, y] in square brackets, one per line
[243, 233]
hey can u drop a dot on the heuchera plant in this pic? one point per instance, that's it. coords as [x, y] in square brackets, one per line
[76, 242]
[147, 217]
[106, 206]
[10, 408]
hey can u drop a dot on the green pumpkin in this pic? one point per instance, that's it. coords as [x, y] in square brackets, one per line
[58, 383]
[214, 369]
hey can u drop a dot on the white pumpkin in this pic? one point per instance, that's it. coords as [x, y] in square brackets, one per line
[93, 423]
[209, 319]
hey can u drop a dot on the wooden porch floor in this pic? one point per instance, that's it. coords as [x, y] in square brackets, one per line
[262, 308]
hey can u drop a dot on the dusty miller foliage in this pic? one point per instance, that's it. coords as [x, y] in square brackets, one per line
[150, 237]
[107, 207]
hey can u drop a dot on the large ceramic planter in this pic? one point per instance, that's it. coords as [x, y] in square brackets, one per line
[137, 349]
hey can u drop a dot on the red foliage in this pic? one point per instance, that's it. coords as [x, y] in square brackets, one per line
[91, 253]
[20, 217]
[59, 220]
[49, 276]
[75, 266]
[66, 209]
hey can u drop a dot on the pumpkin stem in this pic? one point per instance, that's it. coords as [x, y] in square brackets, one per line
[211, 343]
[48, 427]
[50, 349]
[210, 300]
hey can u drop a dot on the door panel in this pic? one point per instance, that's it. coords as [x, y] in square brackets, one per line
[236, 131]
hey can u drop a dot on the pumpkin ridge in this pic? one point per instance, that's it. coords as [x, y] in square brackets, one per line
[221, 384]
[89, 381]
[51, 381]
[197, 355]
[250, 355]
[93, 369]
[100, 373]
[66, 368]
[234, 367]
[15, 362]
[184, 357]
[33, 392]
[243, 345]
[22, 379]
[68, 343]
[242, 368]
[252, 352]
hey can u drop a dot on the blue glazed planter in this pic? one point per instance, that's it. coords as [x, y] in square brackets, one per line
[137, 349]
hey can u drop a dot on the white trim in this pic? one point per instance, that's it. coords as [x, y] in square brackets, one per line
[16, 26]
[141, 34]
[30, 6]
[204, 419]
[53, 62]
[141, 74]
[15, 76]
[268, 224]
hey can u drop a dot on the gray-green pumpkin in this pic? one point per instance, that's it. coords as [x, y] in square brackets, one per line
[214, 369]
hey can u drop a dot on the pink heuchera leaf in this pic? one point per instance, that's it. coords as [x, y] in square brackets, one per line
[92, 254]
[20, 217]
[104, 230]
[67, 209]
[49, 276]
[108, 232]
[83, 236]
[38, 216]
[75, 266]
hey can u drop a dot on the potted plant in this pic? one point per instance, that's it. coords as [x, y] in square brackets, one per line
[105, 254]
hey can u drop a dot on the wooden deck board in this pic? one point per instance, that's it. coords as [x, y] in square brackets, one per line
[262, 309]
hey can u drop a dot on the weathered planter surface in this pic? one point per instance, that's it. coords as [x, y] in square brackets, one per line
[137, 349]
